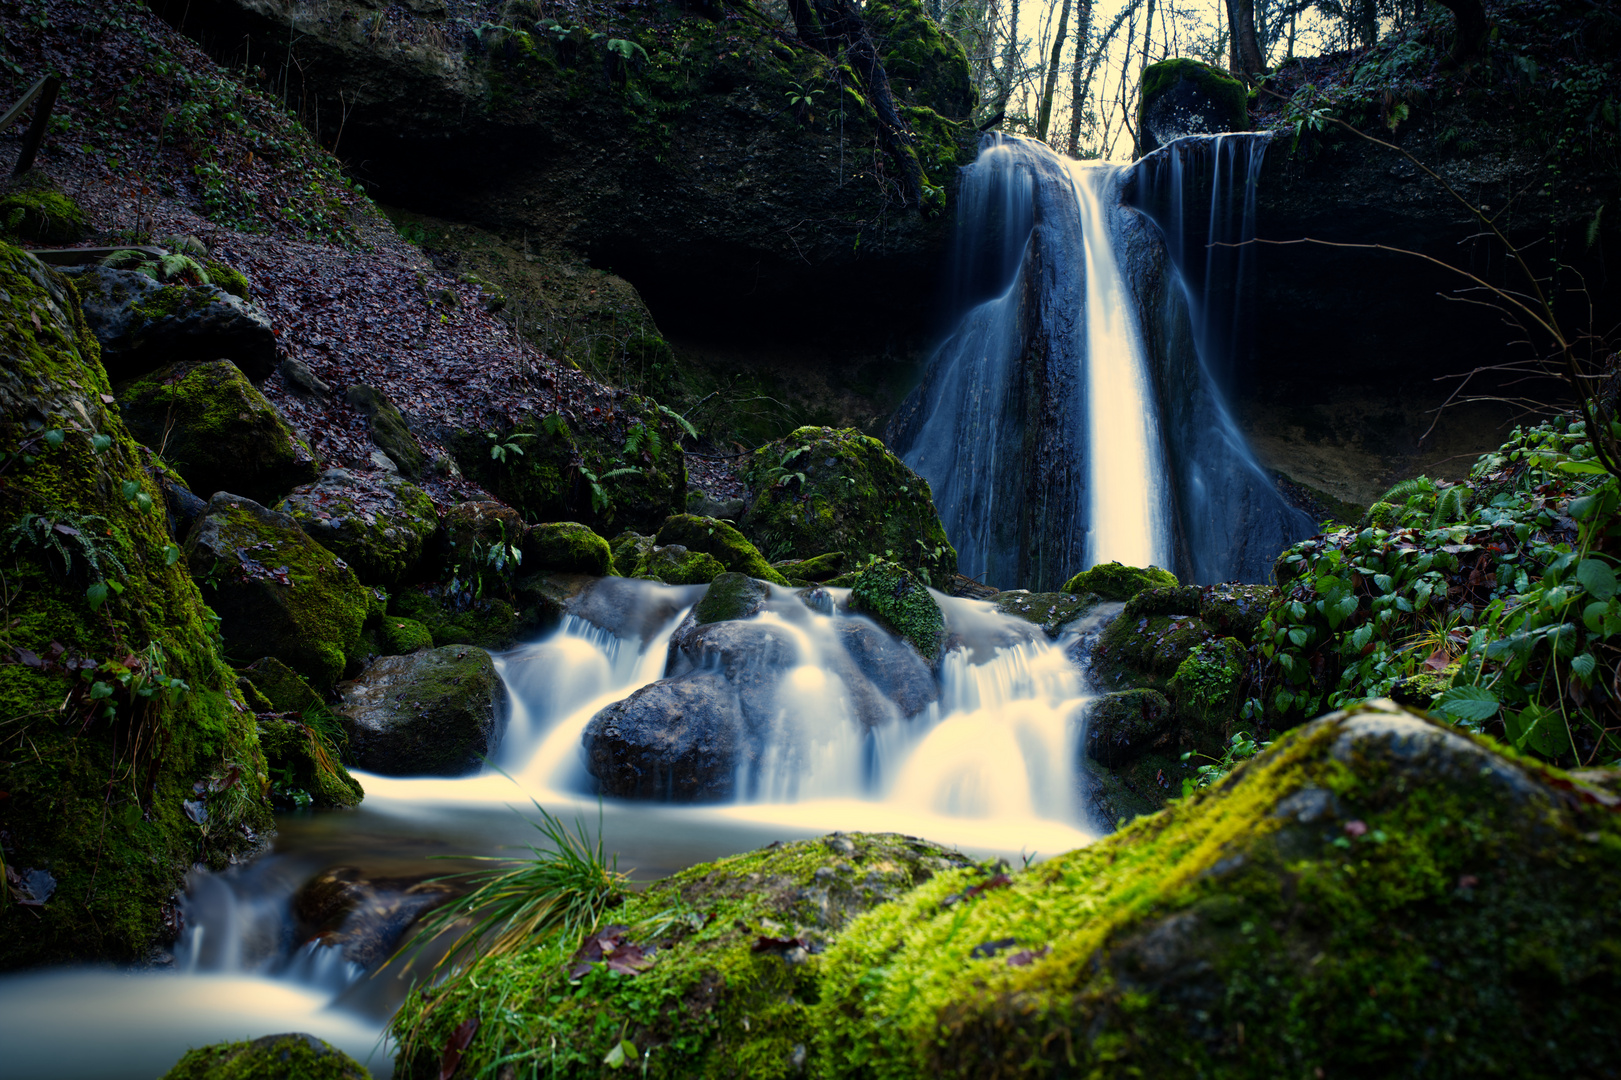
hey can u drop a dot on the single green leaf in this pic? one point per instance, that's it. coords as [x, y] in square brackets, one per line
[1597, 577]
[99, 443]
[1472, 703]
[96, 595]
[1299, 636]
[54, 437]
[1583, 665]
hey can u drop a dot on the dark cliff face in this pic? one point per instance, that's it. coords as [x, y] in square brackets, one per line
[730, 173]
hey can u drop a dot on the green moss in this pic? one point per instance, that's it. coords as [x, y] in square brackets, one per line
[382, 527]
[39, 215]
[401, 635]
[278, 593]
[96, 800]
[228, 278]
[302, 1056]
[1126, 724]
[629, 549]
[304, 766]
[217, 430]
[817, 568]
[1207, 689]
[569, 547]
[730, 596]
[1113, 581]
[1229, 93]
[1150, 638]
[389, 431]
[821, 489]
[721, 540]
[280, 685]
[1374, 896]
[733, 982]
[898, 600]
[459, 619]
[675, 565]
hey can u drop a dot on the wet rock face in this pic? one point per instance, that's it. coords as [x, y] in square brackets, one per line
[380, 524]
[1126, 724]
[436, 712]
[364, 916]
[143, 324]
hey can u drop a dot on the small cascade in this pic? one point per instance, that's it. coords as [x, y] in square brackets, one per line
[1199, 192]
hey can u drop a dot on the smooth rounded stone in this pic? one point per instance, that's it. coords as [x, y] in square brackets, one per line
[731, 596]
[894, 670]
[277, 592]
[293, 1056]
[628, 608]
[1186, 97]
[678, 740]
[380, 524]
[143, 324]
[363, 916]
[1126, 724]
[567, 547]
[217, 430]
[435, 712]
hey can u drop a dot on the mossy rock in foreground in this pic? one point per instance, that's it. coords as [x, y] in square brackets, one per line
[732, 985]
[823, 489]
[113, 850]
[1377, 895]
[218, 431]
[273, 1057]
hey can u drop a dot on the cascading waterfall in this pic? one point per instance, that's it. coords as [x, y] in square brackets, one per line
[1079, 415]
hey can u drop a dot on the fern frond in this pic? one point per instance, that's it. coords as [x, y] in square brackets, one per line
[1418, 485]
[1453, 505]
[681, 421]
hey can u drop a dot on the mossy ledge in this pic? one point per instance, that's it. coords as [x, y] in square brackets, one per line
[115, 853]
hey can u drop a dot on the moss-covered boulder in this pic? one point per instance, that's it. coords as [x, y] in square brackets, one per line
[379, 523]
[814, 570]
[1114, 581]
[1188, 97]
[623, 469]
[1377, 895]
[400, 635]
[304, 766]
[900, 602]
[567, 547]
[1149, 639]
[217, 430]
[436, 712]
[273, 1057]
[458, 617]
[33, 211]
[822, 489]
[97, 612]
[629, 549]
[285, 689]
[721, 540]
[389, 431]
[1115, 795]
[1050, 611]
[675, 565]
[144, 324]
[481, 546]
[739, 946]
[278, 593]
[1125, 725]
[731, 596]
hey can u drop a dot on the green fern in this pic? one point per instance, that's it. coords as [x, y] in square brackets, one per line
[621, 472]
[1407, 489]
[1453, 505]
[681, 421]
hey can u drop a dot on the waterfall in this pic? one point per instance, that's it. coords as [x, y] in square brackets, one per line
[1077, 413]
[1199, 193]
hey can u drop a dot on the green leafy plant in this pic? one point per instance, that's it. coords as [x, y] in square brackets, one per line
[1241, 747]
[503, 447]
[70, 534]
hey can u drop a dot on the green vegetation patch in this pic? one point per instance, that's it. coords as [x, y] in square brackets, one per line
[38, 214]
[898, 600]
[1114, 581]
[301, 1056]
[721, 540]
[569, 547]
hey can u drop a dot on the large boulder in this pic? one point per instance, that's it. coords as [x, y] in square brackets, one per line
[897, 673]
[435, 712]
[144, 324]
[821, 490]
[85, 643]
[270, 1057]
[1377, 894]
[277, 592]
[217, 430]
[678, 740]
[1126, 724]
[567, 547]
[1115, 581]
[380, 524]
[722, 541]
[1187, 97]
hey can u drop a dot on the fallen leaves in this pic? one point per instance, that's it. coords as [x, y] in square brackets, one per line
[609, 947]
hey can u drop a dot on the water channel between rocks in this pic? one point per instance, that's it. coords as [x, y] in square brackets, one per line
[989, 765]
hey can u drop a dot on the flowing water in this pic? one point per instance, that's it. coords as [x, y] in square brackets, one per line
[988, 766]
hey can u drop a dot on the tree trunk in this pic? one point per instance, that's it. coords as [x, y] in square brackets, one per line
[1044, 117]
[1471, 28]
[1078, 88]
[1244, 52]
[1148, 33]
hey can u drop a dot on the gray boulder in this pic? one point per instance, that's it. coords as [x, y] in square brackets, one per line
[380, 524]
[143, 324]
[436, 712]
[676, 740]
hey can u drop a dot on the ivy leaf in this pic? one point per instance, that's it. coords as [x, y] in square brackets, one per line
[1340, 610]
[1299, 636]
[1362, 635]
[1474, 704]
[96, 595]
[53, 438]
[1597, 578]
[1583, 665]
[171, 554]
[99, 443]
